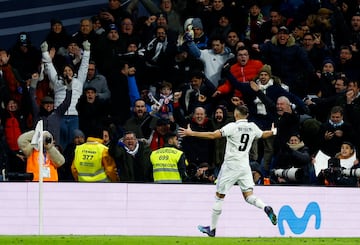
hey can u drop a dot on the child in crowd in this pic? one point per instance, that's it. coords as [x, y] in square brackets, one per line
[164, 106]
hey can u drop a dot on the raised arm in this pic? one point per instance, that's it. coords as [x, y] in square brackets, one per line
[205, 135]
[84, 65]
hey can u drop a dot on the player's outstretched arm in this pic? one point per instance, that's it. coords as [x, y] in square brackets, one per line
[183, 132]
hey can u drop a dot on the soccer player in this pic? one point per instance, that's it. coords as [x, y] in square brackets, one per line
[236, 168]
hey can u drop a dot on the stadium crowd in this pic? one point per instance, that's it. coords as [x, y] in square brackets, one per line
[124, 83]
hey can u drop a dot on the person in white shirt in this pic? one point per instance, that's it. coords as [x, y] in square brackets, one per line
[236, 168]
[70, 121]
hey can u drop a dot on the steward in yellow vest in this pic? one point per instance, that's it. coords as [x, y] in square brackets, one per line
[52, 156]
[92, 163]
[169, 163]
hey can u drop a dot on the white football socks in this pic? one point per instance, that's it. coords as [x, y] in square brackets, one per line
[216, 212]
[257, 202]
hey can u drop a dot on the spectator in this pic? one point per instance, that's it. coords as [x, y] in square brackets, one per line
[70, 121]
[347, 62]
[57, 37]
[158, 55]
[92, 111]
[141, 122]
[97, 25]
[152, 23]
[222, 27]
[13, 124]
[270, 28]
[169, 163]
[157, 136]
[165, 107]
[288, 61]
[255, 20]
[200, 38]
[181, 67]
[11, 83]
[326, 81]
[197, 150]
[107, 50]
[132, 157]
[320, 106]
[213, 58]
[92, 162]
[119, 88]
[52, 156]
[344, 162]
[95, 80]
[46, 112]
[150, 6]
[127, 33]
[113, 14]
[232, 40]
[287, 124]
[296, 160]
[72, 55]
[173, 13]
[220, 118]
[197, 93]
[211, 15]
[24, 57]
[244, 70]
[354, 41]
[316, 53]
[334, 132]
[134, 56]
[350, 101]
[64, 172]
[85, 33]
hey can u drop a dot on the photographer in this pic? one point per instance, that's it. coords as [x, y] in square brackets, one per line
[342, 169]
[293, 165]
[202, 173]
[52, 156]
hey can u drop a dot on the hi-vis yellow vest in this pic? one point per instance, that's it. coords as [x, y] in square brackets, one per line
[88, 164]
[165, 168]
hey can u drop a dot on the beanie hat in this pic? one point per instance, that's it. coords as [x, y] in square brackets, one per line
[47, 100]
[112, 27]
[196, 23]
[55, 21]
[328, 60]
[267, 69]
[78, 133]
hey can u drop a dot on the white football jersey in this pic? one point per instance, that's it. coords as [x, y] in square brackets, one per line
[239, 137]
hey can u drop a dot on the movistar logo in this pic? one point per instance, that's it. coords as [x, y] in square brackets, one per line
[298, 225]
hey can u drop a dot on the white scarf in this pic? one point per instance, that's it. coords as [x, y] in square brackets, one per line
[160, 47]
[260, 107]
[133, 152]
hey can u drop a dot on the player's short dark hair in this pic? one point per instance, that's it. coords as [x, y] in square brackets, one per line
[242, 109]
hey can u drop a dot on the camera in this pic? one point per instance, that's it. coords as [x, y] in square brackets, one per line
[290, 174]
[351, 172]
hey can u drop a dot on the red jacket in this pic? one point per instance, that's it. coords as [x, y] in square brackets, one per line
[245, 73]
